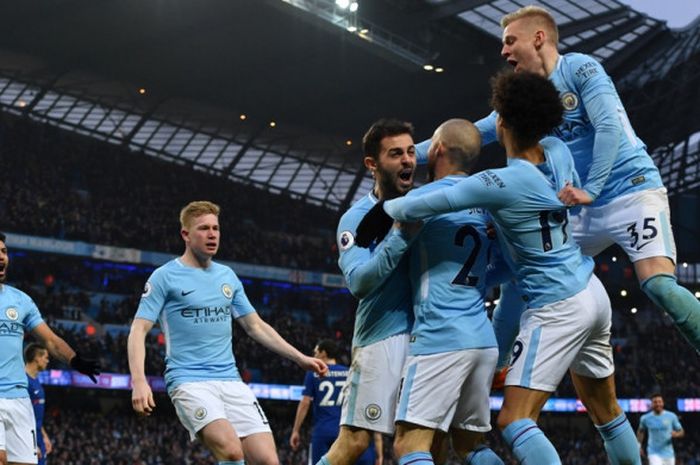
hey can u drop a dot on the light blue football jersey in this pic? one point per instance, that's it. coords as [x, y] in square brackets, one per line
[18, 313]
[195, 308]
[448, 266]
[610, 159]
[532, 223]
[659, 428]
[377, 276]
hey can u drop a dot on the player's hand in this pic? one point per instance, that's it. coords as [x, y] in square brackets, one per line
[410, 229]
[142, 398]
[294, 440]
[572, 196]
[499, 379]
[86, 367]
[313, 364]
[491, 231]
[375, 225]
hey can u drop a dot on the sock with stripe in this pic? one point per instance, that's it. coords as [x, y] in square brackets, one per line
[620, 441]
[416, 458]
[324, 461]
[231, 462]
[529, 444]
[483, 455]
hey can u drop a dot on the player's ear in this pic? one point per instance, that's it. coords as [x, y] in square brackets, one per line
[185, 234]
[370, 164]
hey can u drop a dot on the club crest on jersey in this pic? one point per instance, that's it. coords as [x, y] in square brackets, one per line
[569, 101]
[227, 290]
[200, 413]
[373, 412]
[12, 313]
[346, 240]
[146, 289]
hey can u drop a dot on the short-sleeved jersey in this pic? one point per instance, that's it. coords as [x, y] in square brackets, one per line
[38, 398]
[327, 398]
[532, 223]
[18, 313]
[448, 276]
[377, 276]
[659, 428]
[195, 308]
[580, 79]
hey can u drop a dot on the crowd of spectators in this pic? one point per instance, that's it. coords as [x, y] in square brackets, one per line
[102, 193]
[85, 435]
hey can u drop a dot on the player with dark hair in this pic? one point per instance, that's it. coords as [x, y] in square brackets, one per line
[378, 277]
[326, 395]
[663, 427]
[36, 359]
[19, 313]
[567, 322]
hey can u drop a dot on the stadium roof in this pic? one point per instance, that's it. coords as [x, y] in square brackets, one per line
[81, 64]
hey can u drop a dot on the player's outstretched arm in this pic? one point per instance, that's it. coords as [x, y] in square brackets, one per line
[266, 335]
[141, 394]
[302, 411]
[62, 351]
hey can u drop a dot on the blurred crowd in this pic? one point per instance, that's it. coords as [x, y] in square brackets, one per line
[85, 435]
[102, 193]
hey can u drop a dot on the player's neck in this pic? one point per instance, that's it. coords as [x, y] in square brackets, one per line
[191, 259]
[549, 61]
[533, 154]
[31, 370]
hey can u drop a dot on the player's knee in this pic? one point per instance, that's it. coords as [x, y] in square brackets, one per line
[356, 442]
[229, 452]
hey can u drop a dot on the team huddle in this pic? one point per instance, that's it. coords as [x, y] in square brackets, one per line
[421, 262]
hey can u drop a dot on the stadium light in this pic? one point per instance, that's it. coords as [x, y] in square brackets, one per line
[348, 142]
[697, 294]
[243, 116]
[352, 29]
[439, 70]
[623, 293]
[428, 67]
[633, 310]
[142, 91]
[353, 7]
[614, 259]
[685, 264]
[272, 124]
[343, 4]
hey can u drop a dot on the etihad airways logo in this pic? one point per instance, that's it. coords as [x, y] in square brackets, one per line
[207, 314]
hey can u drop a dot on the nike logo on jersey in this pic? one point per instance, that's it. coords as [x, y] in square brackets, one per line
[188, 292]
[639, 247]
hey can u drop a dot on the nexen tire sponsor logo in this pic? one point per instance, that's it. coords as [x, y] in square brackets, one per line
[207, 314]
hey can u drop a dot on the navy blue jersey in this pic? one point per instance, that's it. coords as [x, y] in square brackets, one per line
[38, 398]
[327, 397]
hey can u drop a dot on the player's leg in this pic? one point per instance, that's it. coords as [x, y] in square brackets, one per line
[248, 418]
[3, 457]
[18, 431]
[550, 338]
[472, 415]
[369, 400]
[259, 449]
[641, 226]
[221, 439]
[517, 421]
[598, 395]
[348, 447]
[440, 449]
[412, 443]
[593, 375]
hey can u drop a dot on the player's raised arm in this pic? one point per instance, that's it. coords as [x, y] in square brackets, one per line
[141, 395]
